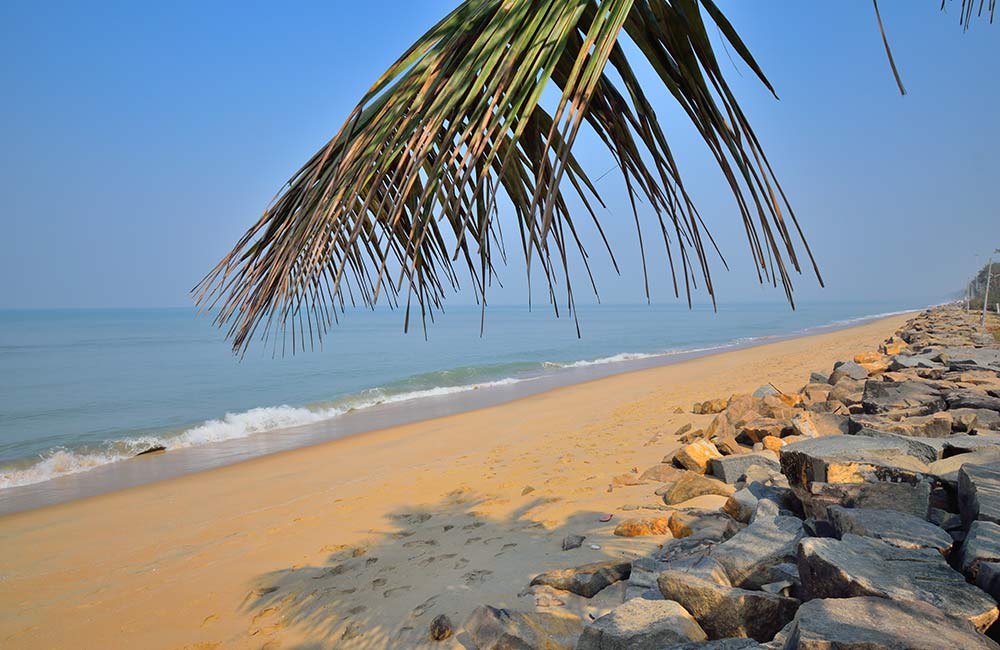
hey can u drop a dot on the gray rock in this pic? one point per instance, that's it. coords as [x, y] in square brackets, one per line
[895, 528]
[491, 628]
[848, 391]
[965, 444]
[848, 369]
[909, 397]
[572, 541]
[860, 566]
[728, 611]
[944, 519]
[988, 578]
[645, 570]
[585, 580]
[749, 555]
[926, 450]
[971, 399]
[982, 544]
[866, 623]
[851, 459]
[901, 362]
[882, 495]
[946, 469]
[979, 493]
[731, 469]
[818, 378]
[641, 624]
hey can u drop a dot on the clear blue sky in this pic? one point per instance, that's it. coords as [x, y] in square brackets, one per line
[139, 140]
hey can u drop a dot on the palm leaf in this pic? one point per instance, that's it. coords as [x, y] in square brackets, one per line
[404, 198]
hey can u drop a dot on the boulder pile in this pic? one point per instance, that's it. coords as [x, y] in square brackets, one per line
[862, 511]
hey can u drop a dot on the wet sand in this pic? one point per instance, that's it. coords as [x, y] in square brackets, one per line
[359, 542]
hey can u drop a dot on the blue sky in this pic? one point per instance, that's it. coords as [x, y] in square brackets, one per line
[139, 140]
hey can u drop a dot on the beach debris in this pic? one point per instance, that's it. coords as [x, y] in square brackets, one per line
[585, 580]
[595, 547]
[605, 518]
[440, 628]
[151, 450]
[641, 624]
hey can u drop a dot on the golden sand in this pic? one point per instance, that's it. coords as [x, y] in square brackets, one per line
[358, 543]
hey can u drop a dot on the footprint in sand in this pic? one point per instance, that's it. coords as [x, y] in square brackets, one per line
[420, 542]
[472, 540]
[420, 609]
[370, 561]
[412, 518]
[477, 577]
[379, 582]
[390, 592]
[331, 572]
[473, 525]
[461, 564]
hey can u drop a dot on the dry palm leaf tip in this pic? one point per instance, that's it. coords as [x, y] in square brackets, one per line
[410, 187]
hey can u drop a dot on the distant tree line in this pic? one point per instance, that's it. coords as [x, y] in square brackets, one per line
[977, 287]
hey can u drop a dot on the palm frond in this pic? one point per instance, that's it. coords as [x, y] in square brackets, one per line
[406, 194]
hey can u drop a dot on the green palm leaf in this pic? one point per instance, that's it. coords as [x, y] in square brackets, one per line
[406, 194]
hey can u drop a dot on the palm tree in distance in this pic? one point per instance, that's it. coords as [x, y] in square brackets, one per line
[407, 190]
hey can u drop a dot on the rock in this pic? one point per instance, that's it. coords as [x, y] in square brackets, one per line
[572, 541]
[585, 580]
[818, 378]
[847, 391]
[643, 527]
[892, 527]
[881, 495]
[641, 624]
[728, 611]
[944, 519]
[910, 398]
[440, 628]
[719, 644]
[850, 459]
[731, 469]
[848, 369]
[970, 399]
[749, 555]
[982, 544]
[760, 427]
[717, 405]
[979, 493]
[491, 628]
[946, 470]
[860, 566]
[741, 505]
[661, 473]
[913, 361]
[152, 450]
[685, 523]
[771, 443]
[767, 390]
[646, 569]
[935, 425]
[692, 485]
[988, 578]
[729, 446]
[866, 623]
[720, 427]
[696, 456]
[621, 480]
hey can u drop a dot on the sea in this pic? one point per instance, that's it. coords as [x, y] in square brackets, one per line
[88, 389]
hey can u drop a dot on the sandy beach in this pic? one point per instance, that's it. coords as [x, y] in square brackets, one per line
[358, 543]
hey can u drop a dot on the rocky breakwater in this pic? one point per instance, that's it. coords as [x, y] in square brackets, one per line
[862, 511]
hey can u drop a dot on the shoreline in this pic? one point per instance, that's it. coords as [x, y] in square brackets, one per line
[357, 543]
[146, 469]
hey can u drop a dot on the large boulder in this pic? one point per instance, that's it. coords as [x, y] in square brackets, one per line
[892, 527]
[645, 571]
[732, 469]
[982, 545]
[947, 469]
[749, 555]
[880, 495]
[641, 624]
[728, 611]
[719, 644]
[850, 459]
[979, 493]
[585, 580]
[848, 369]
[860, 566]
[907, 398]
[971, 399]
[691, 485]
[866, 623]
[492, 628]
[696, 456]
[684, 523]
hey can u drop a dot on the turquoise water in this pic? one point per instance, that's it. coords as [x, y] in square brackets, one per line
[84, 388]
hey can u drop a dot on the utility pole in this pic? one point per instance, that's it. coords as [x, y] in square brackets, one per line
[986, 296]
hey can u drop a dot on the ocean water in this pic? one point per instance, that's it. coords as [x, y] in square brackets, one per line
[80, 389]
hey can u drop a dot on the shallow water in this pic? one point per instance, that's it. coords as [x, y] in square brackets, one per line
[84, 389]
